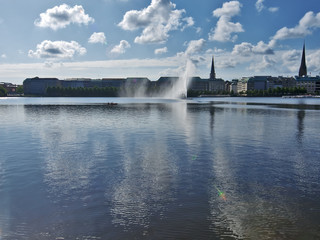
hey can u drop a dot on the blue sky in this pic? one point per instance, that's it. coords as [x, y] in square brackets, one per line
[144, 38]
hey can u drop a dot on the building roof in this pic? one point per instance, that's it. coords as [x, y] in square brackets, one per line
[307, 78]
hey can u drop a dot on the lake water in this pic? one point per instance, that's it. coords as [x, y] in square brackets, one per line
[205, 168]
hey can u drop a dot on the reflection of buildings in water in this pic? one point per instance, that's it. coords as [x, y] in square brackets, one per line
[66, 164]
[224, 214]
[149, 167]
[251, 210]
[149, 176]
[212, 111]
[6, 205]
[300, 126]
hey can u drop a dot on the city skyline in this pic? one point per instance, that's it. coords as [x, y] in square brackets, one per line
[117, 38]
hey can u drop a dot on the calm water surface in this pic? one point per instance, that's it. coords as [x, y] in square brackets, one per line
[215, 168]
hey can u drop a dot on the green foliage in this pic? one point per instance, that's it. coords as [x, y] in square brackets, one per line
[3, 92]
[276, 92]
[19, 89]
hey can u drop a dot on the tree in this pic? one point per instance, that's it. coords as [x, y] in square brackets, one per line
[3, 92]
[19, 89]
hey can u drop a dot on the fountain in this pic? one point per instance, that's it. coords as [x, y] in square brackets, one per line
[180, 86]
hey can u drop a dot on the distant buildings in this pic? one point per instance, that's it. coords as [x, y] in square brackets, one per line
[311, 84]
[38, 86]
[11, 88]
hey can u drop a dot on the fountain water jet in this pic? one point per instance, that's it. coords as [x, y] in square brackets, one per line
[180, 87]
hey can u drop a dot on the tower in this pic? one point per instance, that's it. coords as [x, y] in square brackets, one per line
[303, 66]
[212, 73]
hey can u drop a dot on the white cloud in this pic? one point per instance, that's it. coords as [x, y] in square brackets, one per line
[97, 38]
[161, 50]
[290, 60]
[48, 64]
[309, 22]
[266, 63]
[189, 23]
[63, 15]
[195, 46]
[3, 56]
[225, 28]
[57, 50]
[121, 48]
[259, 5]
[273, 9]
[313, 62]
[157, 20]
[246, 49]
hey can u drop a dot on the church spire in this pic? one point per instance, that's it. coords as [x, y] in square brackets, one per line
[212, 73]
[303, 66]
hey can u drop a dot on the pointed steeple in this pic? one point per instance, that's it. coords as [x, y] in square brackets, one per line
[212, 73]
[303, 66]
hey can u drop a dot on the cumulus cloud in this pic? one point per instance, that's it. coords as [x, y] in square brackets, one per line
[266, 63]
[63, 15]
[309, 22]
[273, 9]
[313, 61]
[121, 48]
[189, 22]
[260, 6]
[57, 50]
[97, 38]
[225, 28]
[161, 50]
[3, 56]
[195, 46]
[246, 49]
[157, 20]
[291, 60]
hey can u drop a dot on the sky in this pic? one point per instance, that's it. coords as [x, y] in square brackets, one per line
[153, 38]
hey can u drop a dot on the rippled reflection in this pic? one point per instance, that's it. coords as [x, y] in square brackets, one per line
[150, 172]
[300, 115]
[156, 169]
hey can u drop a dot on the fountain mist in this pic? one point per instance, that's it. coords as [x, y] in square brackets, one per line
[180, 87]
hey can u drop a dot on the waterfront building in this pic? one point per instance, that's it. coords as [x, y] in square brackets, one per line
[234, 86]
[166, 82]
[252, 83]
[257, 83]
[38, 86]
[242, 85]
[281, 82]
[311, 84]
[199, 84]
[215, 84]
[113, 82]
[227, 86]
[11, 88]
[137, 81]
